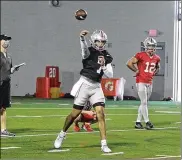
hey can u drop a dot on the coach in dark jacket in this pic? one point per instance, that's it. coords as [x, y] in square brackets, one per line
[6, 70]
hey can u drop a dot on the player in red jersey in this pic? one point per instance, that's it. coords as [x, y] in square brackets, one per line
[87, 117]
[146, 65]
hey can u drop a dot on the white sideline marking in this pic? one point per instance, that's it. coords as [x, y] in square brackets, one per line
[170, 112]
[10, 147]
[110, 154]
[37, 135]
[59, 150]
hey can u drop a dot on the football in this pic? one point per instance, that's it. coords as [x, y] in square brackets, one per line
[80, 14]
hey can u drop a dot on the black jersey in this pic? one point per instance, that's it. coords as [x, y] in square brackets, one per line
[92, 64]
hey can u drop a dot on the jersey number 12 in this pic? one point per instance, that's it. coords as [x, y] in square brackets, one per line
[150, 67]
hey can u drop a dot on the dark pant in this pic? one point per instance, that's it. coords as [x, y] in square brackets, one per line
[5, 94]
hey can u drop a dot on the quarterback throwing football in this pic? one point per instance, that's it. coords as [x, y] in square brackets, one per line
[148, 64]
[96, 63]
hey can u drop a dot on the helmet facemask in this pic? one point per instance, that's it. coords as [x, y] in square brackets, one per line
[99, 40]
[100, 45]
[151, 49]
[150, 45]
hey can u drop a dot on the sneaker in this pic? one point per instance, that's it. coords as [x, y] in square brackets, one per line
[88, 128]
[76, 128]
[59, 140]
[149, 125]
[105, 149]
[138, 125]
[5, 133]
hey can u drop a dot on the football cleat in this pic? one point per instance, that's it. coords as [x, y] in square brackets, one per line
[76, 128]
[138, 125]
[149, 125]
[59, 140]
[5, 133]
[87, 127]
[105, 149]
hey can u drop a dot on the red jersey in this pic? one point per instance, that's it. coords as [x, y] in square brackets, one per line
[146, 66]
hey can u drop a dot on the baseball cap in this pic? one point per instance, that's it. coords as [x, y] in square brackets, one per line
[4, 37]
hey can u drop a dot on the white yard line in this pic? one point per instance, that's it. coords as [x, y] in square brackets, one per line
[69, 108]
[61, 116]
[163, 157]
[14, 108]
[61, 104]
[42, 116]
[9, 147]
[178, 122]
[166, 156]
[169, 112]
[59, 150]
[137, 114]
[16, 103]
[23, 116]
[164, 128]
[114, 153]
[108, 119]
[38, 135]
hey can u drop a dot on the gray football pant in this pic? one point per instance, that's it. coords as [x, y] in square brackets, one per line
[92, 93]
[144, 93]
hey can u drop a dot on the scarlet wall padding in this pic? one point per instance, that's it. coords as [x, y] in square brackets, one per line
[52, 72]
[43, 87]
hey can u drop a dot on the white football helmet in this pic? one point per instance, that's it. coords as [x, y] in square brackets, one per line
[100, 36]
[150, 43]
